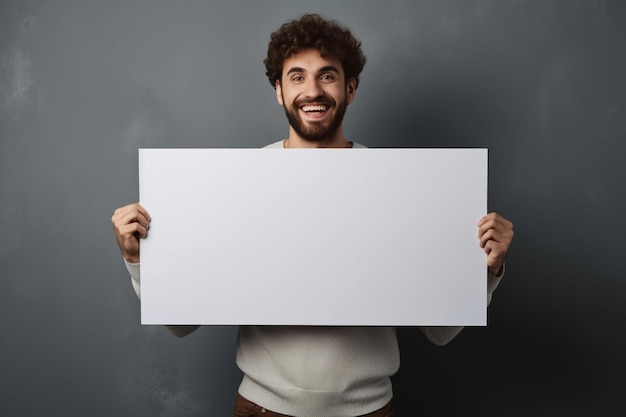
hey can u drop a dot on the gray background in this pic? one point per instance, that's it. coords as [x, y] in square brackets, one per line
[84, 84]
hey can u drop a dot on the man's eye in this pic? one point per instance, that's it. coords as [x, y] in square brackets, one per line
[297, 78]
[327, 77]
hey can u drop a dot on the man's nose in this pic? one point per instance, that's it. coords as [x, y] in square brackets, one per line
[313, 89]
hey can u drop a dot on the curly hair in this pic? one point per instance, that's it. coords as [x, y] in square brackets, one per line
[312, 31]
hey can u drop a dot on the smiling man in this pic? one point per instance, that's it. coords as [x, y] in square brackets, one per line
[315, 94]
[314, 64]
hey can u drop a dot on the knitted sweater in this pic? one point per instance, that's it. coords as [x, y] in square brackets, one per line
[309, 371]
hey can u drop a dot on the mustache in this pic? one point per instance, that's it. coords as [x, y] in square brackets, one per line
[319, 100]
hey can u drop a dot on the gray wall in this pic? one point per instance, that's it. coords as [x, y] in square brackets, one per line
[84, 84]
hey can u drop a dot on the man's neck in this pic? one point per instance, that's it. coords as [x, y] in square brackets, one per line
[336, 141]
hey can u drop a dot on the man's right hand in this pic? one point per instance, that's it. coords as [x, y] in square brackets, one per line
[130, 224]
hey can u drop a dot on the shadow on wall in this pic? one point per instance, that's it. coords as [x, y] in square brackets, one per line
[551, 348]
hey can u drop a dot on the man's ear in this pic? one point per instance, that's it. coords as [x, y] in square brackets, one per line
[279, 93]
[350, 90]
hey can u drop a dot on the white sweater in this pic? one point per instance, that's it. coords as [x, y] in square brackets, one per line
[320, 371]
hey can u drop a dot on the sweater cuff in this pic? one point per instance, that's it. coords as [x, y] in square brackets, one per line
[135, 276]
[441, 335]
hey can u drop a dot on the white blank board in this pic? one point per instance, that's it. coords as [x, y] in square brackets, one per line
[313, 236]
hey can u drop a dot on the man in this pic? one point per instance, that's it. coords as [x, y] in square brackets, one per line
[314, 66]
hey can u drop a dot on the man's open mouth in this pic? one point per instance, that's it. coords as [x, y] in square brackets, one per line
[314, 108]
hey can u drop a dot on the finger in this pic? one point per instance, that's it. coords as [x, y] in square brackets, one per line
[493, 235]
[129, 241]
[123, 212]
[143, 211]
[132, 230]
[487, 217]
[503, 227]
[127, 215]
[495, 253]
[495, 260]
[484, 218]
[125, 225]
[494, 223]
[490, 234]
[491, 247]
[495, 217]
[135, 216]
[485, 237]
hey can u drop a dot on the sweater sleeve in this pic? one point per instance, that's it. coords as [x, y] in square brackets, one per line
[135, 276]
[441, 335]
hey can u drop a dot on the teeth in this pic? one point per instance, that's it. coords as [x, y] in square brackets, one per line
[318, 107]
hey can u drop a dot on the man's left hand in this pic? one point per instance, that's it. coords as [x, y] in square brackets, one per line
[495, 234]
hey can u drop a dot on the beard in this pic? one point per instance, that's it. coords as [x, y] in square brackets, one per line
[316, 131]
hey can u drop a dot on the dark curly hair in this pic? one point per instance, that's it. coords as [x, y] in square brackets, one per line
[312, 31]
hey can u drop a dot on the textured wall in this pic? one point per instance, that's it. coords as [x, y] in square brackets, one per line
[83, 84]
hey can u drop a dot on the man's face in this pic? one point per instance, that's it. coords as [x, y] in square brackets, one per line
[315, 95]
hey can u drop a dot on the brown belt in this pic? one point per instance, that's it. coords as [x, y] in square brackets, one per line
[246, 408]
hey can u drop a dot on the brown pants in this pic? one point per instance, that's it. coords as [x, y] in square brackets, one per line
[246, 408]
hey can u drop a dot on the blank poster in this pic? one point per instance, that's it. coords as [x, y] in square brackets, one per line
[313, 236]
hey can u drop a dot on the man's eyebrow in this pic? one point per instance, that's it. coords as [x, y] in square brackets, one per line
[327, 68]
[295, 69]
